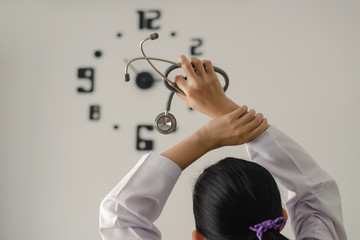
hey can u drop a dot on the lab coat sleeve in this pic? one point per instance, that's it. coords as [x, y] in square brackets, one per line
[315, 210]
[129, 210]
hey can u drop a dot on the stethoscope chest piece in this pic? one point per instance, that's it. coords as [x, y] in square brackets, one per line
[165, 123]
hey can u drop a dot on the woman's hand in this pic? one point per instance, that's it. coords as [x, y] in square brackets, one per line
[235, 128]
[238, 127]
[203, 90]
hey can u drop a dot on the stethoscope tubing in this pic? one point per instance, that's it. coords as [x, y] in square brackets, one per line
[165, 122]
[174, 88]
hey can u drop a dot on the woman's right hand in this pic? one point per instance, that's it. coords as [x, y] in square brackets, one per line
[203, 91]
[235, 128]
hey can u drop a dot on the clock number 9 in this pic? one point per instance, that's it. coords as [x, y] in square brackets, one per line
[87, 74]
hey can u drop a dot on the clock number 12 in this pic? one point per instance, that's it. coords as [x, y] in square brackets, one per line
[147, 18]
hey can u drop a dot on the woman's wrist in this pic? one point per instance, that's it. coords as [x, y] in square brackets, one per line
[205, 139]
[189, 149]
[223, 108]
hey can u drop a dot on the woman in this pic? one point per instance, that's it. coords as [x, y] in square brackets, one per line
[233, 199]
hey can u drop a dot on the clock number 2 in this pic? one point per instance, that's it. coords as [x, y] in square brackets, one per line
[86, 74]
[142, 144]
[146, 21]
[198, 42]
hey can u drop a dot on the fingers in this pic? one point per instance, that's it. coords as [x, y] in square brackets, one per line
[238, 127]
[250, 124]
[180, 81]
[258, 130]
[209, 68]
[201, 67]
[238, 112]
[256, 121]
[198, 65]
[187, 67]
[244, 117]
[256, 126]
[247, 117]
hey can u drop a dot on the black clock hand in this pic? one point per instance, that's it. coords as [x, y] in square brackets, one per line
[131, 66]
[144, 79]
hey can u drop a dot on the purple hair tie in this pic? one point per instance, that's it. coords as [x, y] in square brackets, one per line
[268, 224]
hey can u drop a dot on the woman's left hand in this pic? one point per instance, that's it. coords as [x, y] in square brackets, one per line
[235, 128]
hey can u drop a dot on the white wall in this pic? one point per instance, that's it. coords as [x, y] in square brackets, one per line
[295, 61]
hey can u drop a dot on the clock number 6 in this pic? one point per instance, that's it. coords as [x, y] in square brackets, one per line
[142, 144]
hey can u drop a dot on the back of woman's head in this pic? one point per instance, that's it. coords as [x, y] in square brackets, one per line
[233, 195]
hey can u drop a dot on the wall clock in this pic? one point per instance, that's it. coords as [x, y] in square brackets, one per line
[147, 21]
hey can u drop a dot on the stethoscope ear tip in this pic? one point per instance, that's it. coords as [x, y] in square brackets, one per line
[154, 36]
[126, 77]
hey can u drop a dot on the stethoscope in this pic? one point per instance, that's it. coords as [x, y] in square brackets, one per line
[165, 122]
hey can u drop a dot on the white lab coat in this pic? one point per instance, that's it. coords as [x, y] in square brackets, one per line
[129, 210]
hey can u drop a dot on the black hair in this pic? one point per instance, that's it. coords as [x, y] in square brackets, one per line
[233, 195]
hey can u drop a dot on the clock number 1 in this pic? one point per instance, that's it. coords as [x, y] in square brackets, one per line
[146, 21]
